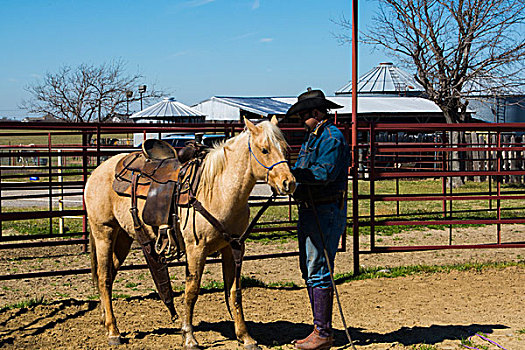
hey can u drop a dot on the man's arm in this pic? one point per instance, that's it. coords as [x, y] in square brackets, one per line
[326, 167]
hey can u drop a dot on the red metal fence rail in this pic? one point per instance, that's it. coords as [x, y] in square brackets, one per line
[489, 153]
[55, 170]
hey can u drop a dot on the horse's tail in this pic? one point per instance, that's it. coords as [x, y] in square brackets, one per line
[94, 263]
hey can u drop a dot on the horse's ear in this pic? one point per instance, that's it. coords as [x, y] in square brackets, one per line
[251, 126]
[274, 120]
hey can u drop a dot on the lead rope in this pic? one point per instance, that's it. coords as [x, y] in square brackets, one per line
[330, 269]
[484, 338]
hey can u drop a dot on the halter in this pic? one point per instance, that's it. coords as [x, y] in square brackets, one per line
[264, 166]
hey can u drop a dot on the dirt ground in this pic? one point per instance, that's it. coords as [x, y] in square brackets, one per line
[438, 309]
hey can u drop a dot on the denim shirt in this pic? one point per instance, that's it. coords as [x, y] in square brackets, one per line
[322, 163]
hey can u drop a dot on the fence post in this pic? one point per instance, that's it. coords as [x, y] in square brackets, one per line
[513, 158]
[84, 179]
[61, 198]
[397, 166]
[444, 166]
[371, 154]
[469, 155]
[475, 155]
[519, 156]
[490, 166]
[498, 184]
[50, 174]
[98, 143]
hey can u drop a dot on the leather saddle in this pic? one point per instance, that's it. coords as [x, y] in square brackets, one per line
[162, 177]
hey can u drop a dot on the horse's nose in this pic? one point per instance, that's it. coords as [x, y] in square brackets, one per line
[288, 186]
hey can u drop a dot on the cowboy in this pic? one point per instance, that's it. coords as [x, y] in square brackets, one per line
[321, 172]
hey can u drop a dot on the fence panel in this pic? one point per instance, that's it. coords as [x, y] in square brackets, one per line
[399, 155]
[45, 169]
[42, 178]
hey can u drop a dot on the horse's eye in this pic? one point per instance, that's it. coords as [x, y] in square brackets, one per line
[265, 151]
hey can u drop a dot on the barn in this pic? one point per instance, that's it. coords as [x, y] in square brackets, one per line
[386, 94]
[371, 108]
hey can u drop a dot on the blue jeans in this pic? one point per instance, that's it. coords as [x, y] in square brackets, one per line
[312, 260]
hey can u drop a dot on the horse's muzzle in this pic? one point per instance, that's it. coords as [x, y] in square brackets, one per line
[287, 187]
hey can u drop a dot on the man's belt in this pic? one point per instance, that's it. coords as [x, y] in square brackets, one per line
[336, 198]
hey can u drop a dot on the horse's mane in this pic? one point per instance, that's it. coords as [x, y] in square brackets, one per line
[215, 162]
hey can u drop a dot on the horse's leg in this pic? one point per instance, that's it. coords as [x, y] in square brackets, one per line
[230, 283]
[121, 248]
[106, 257]
[195, 260]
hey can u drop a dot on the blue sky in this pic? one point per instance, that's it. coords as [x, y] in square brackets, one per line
[192, 49]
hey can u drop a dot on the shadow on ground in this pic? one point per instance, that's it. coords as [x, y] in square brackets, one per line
[283, 332]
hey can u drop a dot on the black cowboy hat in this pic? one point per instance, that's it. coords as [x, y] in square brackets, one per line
[309, 100]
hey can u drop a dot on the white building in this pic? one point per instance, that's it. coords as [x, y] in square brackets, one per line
[169, 110]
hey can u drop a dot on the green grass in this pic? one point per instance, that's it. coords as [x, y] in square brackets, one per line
[213, 285]
[413, 210]
[283, 285]
[246, 282]
[120, 296]
[470, 343]
[57, 137]
[131, 285]
[409, 210]
[424, 347]
[403, 271]
[37, 226]
[25, 304]
[370, 273]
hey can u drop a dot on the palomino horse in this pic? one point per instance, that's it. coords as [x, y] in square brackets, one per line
[230, 171]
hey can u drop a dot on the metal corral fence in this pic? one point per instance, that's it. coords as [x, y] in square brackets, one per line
[488, 159]
[44, 166]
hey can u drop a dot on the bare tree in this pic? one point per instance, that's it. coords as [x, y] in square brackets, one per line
[86, 93]
[457, 47]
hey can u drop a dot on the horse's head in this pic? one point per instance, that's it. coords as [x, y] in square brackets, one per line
[267, 146]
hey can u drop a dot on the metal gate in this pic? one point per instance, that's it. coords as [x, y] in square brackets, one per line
[492, 155]
[55, 167]
[46, 178]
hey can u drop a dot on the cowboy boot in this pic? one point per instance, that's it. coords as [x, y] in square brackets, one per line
[322, 336]
[311, 297]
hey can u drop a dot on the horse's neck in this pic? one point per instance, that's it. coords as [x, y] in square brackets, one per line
[236, 182]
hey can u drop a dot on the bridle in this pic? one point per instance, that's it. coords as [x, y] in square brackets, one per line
[269, 168]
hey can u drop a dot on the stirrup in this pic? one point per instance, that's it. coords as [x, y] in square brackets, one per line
[163, 241]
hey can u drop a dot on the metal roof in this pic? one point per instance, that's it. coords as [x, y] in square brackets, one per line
[377, 104]
[167, 108]
[366, 104]
[384, 79]
[257, 105]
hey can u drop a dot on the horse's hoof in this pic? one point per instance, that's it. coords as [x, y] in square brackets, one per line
[114, 340]
[252, 347]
